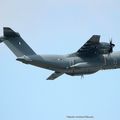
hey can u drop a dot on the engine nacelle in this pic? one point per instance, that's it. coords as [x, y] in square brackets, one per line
[106, 48]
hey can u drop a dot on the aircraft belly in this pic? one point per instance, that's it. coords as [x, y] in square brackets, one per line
[82, 71]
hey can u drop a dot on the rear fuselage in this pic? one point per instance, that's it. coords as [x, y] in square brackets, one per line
[73, 64]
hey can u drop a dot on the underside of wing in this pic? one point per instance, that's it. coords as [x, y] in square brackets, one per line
[90, 47]
[54, 75]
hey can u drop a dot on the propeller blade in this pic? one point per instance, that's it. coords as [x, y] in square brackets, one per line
[111, 46]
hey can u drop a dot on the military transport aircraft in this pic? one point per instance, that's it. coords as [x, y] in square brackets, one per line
[90, 58]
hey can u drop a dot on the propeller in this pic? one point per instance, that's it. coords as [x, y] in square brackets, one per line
[111, 46]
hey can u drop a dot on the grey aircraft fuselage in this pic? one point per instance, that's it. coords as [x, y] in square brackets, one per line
[90, 58]
[72, 64]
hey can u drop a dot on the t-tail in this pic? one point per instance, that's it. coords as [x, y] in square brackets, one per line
[15, 43]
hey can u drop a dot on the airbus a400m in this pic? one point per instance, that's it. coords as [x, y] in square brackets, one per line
[90, 58]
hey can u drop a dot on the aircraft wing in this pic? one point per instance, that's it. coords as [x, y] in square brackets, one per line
[54, 75]
[90, 47]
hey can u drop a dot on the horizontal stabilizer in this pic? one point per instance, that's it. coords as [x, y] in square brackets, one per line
[54, 75]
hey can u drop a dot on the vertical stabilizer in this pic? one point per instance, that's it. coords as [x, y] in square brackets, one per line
[15, 43]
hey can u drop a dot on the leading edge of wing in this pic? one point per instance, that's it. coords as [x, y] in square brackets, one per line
[54, 75]
[89, 48]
